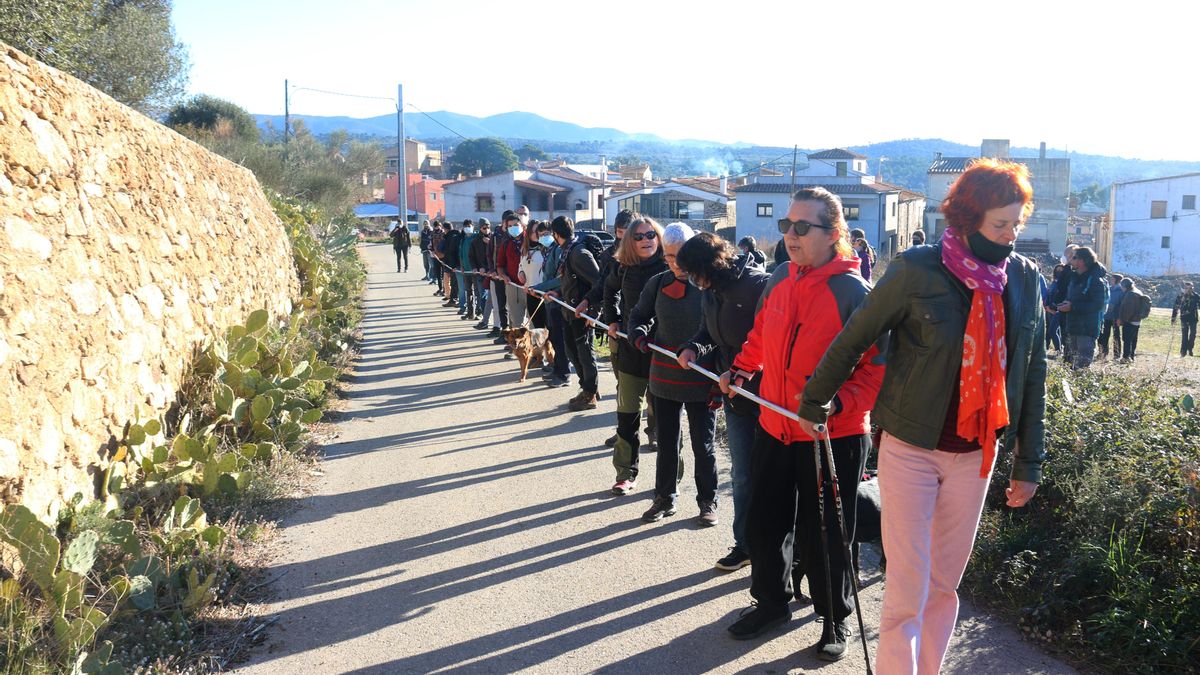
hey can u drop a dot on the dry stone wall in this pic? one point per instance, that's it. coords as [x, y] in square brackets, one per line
[123, 246]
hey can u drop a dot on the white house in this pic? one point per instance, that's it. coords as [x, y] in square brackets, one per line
[1046, 229]
[1153, 227]
[868, 204]
[547, 192]
[703, 203]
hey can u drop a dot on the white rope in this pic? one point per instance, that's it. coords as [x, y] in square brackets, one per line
[666, 352]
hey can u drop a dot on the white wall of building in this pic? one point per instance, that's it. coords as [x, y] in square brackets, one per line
[460, 197]
[1148, 246]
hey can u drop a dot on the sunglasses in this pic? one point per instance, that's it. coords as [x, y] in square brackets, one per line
[638, 236]
[800, 227]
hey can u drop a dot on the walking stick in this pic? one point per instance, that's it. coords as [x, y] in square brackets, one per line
[823, 433]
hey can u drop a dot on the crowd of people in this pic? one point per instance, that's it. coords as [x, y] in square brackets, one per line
[943, 358]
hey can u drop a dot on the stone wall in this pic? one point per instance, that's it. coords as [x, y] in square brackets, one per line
[123, 246]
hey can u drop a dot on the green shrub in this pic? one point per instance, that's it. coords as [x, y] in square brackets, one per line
[1103, 561]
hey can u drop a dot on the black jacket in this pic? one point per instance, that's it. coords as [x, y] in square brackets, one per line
[622, 289]
[450, 248]
[607, 262]
[401, 238]
[729, 315]
[426, 237]
[1187, 305]
[579, 273]
[477, 253]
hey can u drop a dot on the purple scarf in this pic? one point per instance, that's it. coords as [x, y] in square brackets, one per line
[973, 272]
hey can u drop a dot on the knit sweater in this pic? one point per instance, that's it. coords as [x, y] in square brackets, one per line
[668, 312]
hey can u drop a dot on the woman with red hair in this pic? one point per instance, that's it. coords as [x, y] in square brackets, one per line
[966, 378]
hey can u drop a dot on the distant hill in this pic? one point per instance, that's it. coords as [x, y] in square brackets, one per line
[907, 159]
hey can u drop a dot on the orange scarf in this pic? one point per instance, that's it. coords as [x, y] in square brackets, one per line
[983, 404]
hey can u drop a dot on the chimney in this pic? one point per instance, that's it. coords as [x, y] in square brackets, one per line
[1042, 151]
[937, 156]
[479, 173]
[724, 183]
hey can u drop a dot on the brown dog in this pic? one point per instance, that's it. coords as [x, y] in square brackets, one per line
[529, 344]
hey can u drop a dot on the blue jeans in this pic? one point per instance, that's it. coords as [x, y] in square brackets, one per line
[740, 430]
[462, 290]
[557, 327]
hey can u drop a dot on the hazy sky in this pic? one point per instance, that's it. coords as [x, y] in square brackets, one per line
[1117, 78]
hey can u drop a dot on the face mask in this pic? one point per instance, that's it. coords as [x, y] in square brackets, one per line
[468, 229]
[987, 250]
[546, 240]
[514, 231]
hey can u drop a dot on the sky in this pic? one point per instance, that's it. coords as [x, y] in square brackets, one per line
[1100, 77]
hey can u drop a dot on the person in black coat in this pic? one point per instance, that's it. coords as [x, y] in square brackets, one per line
[401, 241]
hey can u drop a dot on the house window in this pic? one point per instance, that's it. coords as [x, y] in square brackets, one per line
[893, 209]
[1189, 202]
[766, 210]
[1158, 209]
[1166, 242]
[484, 203]
[687, 210]
[600, 202]
[841, 168]
[851, 212]
[433, 196]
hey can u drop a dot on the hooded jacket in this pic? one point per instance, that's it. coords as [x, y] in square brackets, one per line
[1088, 295]
[728, 314]
[800, 313]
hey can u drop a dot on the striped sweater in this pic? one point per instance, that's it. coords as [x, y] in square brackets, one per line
[668, 313]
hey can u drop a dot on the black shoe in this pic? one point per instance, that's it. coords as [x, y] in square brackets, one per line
[661, 508]
[736, 560]
[495, 332]
[649, 446]
[759, 621]
[499, 340]
[555, 381]
[832, 646]
[482, 325]
[611, 441]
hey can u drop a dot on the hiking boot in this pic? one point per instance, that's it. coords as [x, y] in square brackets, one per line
[611, 441]
[555, 382]
[661, 508]
[494, 333]
[708, 515]
[758, 621]
[832, 646]
[624, 487]
[588, 401]
[466, 317]
[736, 560]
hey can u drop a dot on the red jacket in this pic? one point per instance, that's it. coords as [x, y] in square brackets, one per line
[508, 258]
[799, 314]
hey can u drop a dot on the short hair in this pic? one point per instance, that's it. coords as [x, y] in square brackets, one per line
[1117, 278]
[1127, 283]
[627, 251]
[624, 217]
[832, 215]
[542, 227]
[748, 243]
[507, 213]
[467, 222]
[563, 227]
[677, 233]
[858, 233]
[987, 184]
[1085, 253]
[918, 237]
[709, 256]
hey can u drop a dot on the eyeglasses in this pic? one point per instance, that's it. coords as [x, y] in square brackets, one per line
[638, 236]
[800, 227]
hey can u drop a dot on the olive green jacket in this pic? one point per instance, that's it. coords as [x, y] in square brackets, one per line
[926, 309]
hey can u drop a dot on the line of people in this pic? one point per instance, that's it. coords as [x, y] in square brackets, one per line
[945, 355]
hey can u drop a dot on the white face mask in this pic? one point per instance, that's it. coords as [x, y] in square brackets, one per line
[546, 240]
[469, 229]
[514, 231]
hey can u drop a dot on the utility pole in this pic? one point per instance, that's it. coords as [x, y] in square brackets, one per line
[795, 149]
[402, 172]
[287, 119]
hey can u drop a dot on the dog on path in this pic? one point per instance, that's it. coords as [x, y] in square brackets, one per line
[528, 345]
[868, 515]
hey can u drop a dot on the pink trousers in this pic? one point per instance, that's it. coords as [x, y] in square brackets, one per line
[931, 502]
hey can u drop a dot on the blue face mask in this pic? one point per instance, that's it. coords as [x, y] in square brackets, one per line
[546, 240]
[514, 231]
[468, 229]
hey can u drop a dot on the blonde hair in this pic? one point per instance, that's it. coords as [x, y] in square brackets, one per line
[832, 217]
[627, 252]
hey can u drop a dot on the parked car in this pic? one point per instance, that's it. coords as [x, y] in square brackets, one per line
[605, 238]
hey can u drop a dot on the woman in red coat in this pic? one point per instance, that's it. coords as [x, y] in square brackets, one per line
[801, 311]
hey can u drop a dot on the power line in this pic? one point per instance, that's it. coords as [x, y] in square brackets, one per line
[338, 93]
[435, 121]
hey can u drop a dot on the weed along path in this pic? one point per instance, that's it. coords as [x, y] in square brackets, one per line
[464, 523]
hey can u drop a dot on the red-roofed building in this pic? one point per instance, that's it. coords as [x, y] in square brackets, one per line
[425, 195]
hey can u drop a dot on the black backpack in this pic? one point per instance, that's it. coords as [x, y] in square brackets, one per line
[1143, 307]
[592, 243]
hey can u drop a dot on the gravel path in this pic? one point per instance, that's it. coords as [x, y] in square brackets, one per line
[464, 523]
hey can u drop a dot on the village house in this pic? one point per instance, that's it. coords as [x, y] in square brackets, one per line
[1046, 229]
[705, 204]
[417, 159]
[886, 213]
[548, 192]
[1153, 227]
[425, 195]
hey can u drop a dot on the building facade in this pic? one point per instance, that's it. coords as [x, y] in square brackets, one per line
[547, 192]
[425, 195]
[704, 204]
[1153, 227]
